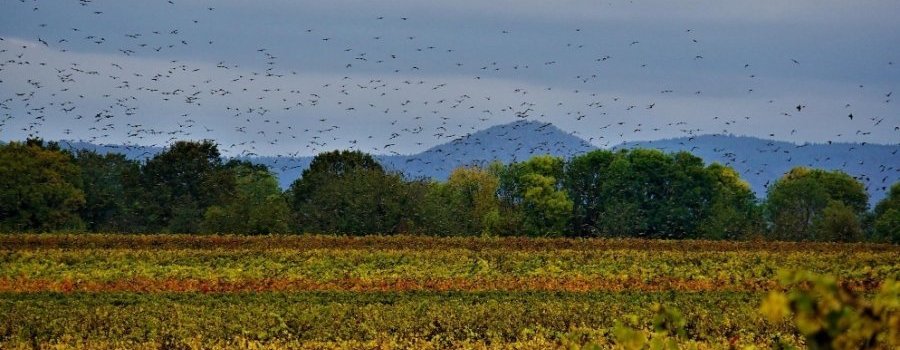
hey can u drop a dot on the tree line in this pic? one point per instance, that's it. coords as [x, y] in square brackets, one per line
[191, 188]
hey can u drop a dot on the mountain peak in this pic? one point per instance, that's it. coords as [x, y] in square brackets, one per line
[529, 137]
[515, 141]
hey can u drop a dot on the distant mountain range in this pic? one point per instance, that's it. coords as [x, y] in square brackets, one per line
[759, 161]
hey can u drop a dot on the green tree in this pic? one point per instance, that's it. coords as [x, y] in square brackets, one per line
[733, 213]
[796, 202]
[348, 192]
[181, 183]
[620, 212]
[326, 166]
[887, 216]
[469, 197]
[429, 213]
[535, 186]
[586, 180]
[688, 197]
[39, 188]
[887, 226]
[111, 188]
[647, 193]
[257, 205]
[839, 223]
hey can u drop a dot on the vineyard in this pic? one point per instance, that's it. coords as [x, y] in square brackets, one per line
[179, 291]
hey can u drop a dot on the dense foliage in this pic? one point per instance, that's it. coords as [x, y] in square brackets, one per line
[40, 188]
[887, 216]
[255, 207]
[647, 193]
[111, 185]
[832, 316]
[189, 188]
[799, 201]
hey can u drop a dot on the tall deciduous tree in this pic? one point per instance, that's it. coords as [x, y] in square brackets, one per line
[326, 166]
[348, 192]
[181, 183]
[111, 188]
[734, 213]
[535, 187]
[39, 188]
[796, 202]
[469, 198]
[587, 180]
[646, 193]
[887, 216]
[839, 223]
[257, 205]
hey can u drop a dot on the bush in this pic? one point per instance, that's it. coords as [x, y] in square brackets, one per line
[831, 315]
[839, 224]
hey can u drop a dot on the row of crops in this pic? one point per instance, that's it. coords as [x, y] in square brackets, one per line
[114, 291]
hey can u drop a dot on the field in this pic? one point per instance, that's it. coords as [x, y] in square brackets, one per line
[168, 291]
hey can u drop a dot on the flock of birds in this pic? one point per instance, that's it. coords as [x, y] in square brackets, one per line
[388, 96]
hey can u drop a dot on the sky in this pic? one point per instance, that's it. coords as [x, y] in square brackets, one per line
[397, 77]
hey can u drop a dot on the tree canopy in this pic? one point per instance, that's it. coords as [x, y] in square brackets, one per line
[256, 206]
[796, 202]
[181, 183]
[349, 192]
[535, 186]
[40, 188]
[887, 217]
[189, 187]
[109, 182]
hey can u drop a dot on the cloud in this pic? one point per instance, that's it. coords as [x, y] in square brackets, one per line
[459, 73]
[797, 11]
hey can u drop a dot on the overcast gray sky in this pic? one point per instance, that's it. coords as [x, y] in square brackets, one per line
[299, 77]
